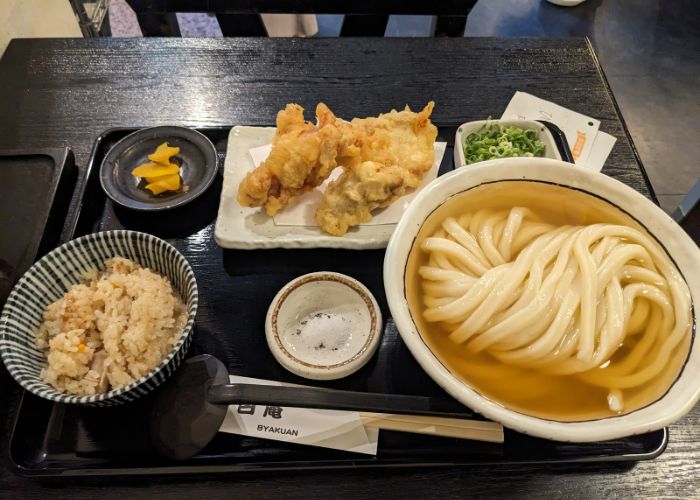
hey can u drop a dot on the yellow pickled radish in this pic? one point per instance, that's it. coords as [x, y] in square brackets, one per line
[163, 153]
[151, 170]
[160, 174]
[165, 183]
[151, 180]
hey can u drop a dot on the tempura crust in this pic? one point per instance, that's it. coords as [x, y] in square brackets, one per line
[396, 150]
[303, 156]
[383, 157]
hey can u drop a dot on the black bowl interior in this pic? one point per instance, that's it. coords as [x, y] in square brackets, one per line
[197, 159]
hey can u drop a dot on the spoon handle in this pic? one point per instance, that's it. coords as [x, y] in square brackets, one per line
[331, 399]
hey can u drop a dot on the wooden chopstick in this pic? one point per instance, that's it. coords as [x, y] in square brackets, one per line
[442, 421]
[436, 426]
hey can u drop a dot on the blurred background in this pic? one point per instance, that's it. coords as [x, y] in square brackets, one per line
[649, 50]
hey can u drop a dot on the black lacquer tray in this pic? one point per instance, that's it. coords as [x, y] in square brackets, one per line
[35, 192]
[236, 287]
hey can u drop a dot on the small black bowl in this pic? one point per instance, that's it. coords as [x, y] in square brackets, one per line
[197, 159]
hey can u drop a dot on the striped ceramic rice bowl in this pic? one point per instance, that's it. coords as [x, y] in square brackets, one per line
[54, 274]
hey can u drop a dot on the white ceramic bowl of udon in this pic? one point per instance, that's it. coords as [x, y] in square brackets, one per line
[675, 403]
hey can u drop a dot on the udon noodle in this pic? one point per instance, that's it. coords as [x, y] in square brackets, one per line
[599, 302]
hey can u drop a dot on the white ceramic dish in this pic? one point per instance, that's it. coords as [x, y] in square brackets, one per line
[323, 326]
[463, 131]
[250, 228]
[685, 391]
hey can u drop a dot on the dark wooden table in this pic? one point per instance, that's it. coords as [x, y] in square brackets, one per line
[66, 92]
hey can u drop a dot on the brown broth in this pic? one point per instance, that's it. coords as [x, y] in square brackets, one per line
[530, 391]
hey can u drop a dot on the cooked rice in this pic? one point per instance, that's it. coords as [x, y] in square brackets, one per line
[111, 330]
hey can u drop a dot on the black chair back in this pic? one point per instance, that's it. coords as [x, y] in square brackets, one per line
[242, 17]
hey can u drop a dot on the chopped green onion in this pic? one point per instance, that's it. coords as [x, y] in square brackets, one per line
[494, 141]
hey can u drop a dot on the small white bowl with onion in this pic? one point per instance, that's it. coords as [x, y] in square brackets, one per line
[449, 348]
[506, 138]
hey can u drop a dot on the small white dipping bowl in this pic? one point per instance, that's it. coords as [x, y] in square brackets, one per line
[543, 133]
[682, 395]
[323, 326]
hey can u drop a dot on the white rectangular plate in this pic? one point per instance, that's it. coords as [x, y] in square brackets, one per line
[251, 228]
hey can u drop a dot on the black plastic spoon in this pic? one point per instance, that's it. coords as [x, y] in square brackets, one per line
[190, 409]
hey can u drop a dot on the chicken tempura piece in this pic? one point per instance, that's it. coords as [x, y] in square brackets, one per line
[350, 199]
[396, 150]
[302, 157]
[402, 138]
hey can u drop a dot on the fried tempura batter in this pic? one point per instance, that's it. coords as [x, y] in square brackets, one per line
[350, 199]
[303, 155]
[396, 151]
[384, 157]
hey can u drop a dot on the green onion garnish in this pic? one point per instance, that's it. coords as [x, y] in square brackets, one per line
[494, 141]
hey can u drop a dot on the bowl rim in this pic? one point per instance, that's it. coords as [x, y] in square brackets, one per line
[31, 384]
[676, 402]
[105, 174]
[319, 371]
[464, 129]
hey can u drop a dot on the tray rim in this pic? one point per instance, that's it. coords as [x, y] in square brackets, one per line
[70, 228]
[339, 464]
[71, 224]
[61, 156]
[64, 166]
